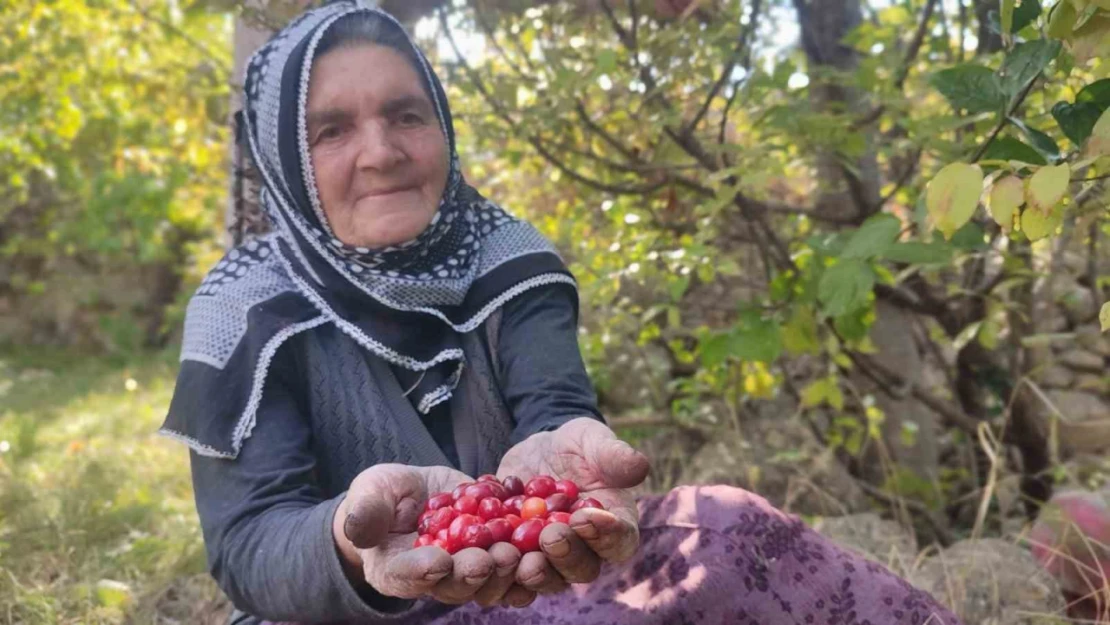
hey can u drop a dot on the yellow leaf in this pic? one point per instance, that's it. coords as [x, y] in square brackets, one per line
[1062, 20]
[1091, 40]
[1098, 144]
[1104, 317]
[1047, 186]
[1005, 197]
[825, 390]
[1036, 225]
[953, 195]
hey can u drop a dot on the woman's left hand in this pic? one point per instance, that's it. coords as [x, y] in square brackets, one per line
[588, 453]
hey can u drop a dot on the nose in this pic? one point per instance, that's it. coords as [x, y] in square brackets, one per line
[377, 148]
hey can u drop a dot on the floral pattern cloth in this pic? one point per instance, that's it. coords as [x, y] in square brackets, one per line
[722, 555]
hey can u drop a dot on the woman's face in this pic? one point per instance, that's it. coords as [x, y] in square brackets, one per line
[377, 149]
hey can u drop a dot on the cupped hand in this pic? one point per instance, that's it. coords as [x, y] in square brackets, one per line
[374, 528]
[588, 453]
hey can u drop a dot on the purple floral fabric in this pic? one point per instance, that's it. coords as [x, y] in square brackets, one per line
[718, 554]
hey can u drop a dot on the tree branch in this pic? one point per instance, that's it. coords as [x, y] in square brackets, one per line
[1002, 122]
[743, 47]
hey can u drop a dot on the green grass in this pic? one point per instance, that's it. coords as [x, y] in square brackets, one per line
[97, 523]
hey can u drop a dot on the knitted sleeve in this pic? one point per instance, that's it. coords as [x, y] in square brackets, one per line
[539, 366]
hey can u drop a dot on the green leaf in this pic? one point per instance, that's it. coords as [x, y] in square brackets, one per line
[799, 336]
[1104, 317]
[752, 339]
[971, 87]
[872, 237]
[823, 391]
[1025, 62]
[1042, 143]
[606, 61]
[919, 253]
[1006, 18]
[756, 339]
[1006, 196]
[952, 196]
[1076, 120]
[844, 287]
[1047, 186]
[1025, 13]
[969, 238]
[1011, 149]
[714, 348]
[1097, 92]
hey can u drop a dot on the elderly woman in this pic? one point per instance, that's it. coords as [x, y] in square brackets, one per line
[397, 334]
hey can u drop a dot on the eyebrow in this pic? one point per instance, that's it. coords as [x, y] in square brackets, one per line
[390, 107]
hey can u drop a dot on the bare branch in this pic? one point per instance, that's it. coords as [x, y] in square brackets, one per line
[535, 140]
[743, 48]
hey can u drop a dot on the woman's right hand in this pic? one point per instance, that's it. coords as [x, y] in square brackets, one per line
[374, 528]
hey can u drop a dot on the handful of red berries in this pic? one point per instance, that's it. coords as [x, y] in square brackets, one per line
[479, 514]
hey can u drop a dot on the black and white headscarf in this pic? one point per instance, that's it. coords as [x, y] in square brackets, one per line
[407, 304]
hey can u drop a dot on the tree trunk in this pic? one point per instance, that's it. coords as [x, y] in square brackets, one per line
[909, 429]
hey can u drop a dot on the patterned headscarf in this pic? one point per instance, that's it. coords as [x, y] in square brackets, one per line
[406, 304]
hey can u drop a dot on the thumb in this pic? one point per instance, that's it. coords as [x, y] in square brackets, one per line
[620, 465]
[381, 500]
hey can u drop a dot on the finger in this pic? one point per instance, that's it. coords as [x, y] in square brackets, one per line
[380, 499]
[411, 573]
[620, 465]
[518, 596]
[472, 568]
[569, 554]
[609, 535]
[535, 573]
[505, 560]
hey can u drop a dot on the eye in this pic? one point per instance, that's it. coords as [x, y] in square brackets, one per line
[410, 118]
[327, 133]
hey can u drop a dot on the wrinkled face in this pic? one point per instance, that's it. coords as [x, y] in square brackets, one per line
[378, 152]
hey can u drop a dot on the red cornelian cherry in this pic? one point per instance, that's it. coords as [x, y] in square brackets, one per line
[478, 536]
[501, 529]
[513, 486]
[490, 508]
[558, 517]
[481, 513]
[568, 488]
[533, 507]
[441, 500]
[540, 486]
[513, 504]
[526, 538]
[558, 503]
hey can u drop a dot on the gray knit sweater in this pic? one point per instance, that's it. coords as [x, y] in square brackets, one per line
[330, 410]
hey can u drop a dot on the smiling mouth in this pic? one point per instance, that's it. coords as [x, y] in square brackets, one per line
[389, 191]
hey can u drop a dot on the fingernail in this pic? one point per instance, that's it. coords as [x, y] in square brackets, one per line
[347, 525]
[585, 530]
[535, 580]
[558, 548]
[505, 571]
[435, 576]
